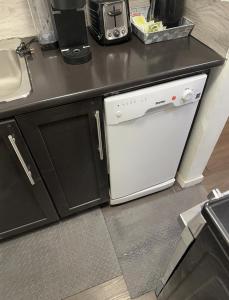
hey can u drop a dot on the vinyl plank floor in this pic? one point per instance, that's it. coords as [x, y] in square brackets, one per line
[114, 289]
[217, 170]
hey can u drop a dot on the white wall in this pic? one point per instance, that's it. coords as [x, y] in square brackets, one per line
[210, 121]
[211, 18]
[136, 3]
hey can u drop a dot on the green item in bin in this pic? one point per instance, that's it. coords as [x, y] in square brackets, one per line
[147, 27]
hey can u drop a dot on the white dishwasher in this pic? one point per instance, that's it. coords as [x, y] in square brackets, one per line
[146, 131]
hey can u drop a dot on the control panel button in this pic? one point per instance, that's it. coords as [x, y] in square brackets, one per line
[116, 33]
[118, 114]
[188, 95]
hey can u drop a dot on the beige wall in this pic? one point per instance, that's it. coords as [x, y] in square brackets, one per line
[15, 19]
[211, 18]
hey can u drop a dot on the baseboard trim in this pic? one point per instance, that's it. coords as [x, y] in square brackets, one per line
[187, 183]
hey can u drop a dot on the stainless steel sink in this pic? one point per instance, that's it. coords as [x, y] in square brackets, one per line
[14, 76]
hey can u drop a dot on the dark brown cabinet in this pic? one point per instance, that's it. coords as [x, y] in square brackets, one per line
[24, 201]
[67, 143]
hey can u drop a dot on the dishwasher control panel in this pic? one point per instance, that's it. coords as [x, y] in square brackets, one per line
[127, 106]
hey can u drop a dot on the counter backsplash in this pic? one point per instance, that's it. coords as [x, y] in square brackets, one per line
[16, 20]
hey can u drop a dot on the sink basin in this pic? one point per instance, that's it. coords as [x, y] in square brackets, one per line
[14, 76]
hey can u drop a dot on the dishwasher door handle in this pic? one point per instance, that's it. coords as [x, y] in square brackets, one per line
[100, 146]
[20, 158]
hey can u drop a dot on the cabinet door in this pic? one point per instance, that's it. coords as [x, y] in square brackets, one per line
[67, 145]
[24, 200]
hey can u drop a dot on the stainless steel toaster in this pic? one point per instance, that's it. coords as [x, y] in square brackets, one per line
[109, 20]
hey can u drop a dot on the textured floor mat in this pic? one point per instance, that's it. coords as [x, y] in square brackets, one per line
[145, 232]
[58, 261]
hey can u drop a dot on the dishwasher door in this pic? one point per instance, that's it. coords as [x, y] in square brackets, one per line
[144, 151]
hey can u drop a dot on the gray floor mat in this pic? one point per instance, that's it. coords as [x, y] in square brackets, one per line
[58, 261]
[145, 232]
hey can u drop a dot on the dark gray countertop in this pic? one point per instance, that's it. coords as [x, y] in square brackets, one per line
[112, 69]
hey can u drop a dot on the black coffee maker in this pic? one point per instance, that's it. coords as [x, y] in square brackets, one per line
[71, 29]
[169, 12]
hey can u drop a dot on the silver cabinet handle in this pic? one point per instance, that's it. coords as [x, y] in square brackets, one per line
[20, 158]
[100, 147]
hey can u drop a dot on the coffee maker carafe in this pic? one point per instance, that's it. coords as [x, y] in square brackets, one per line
[71, 29]
[169, 12]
